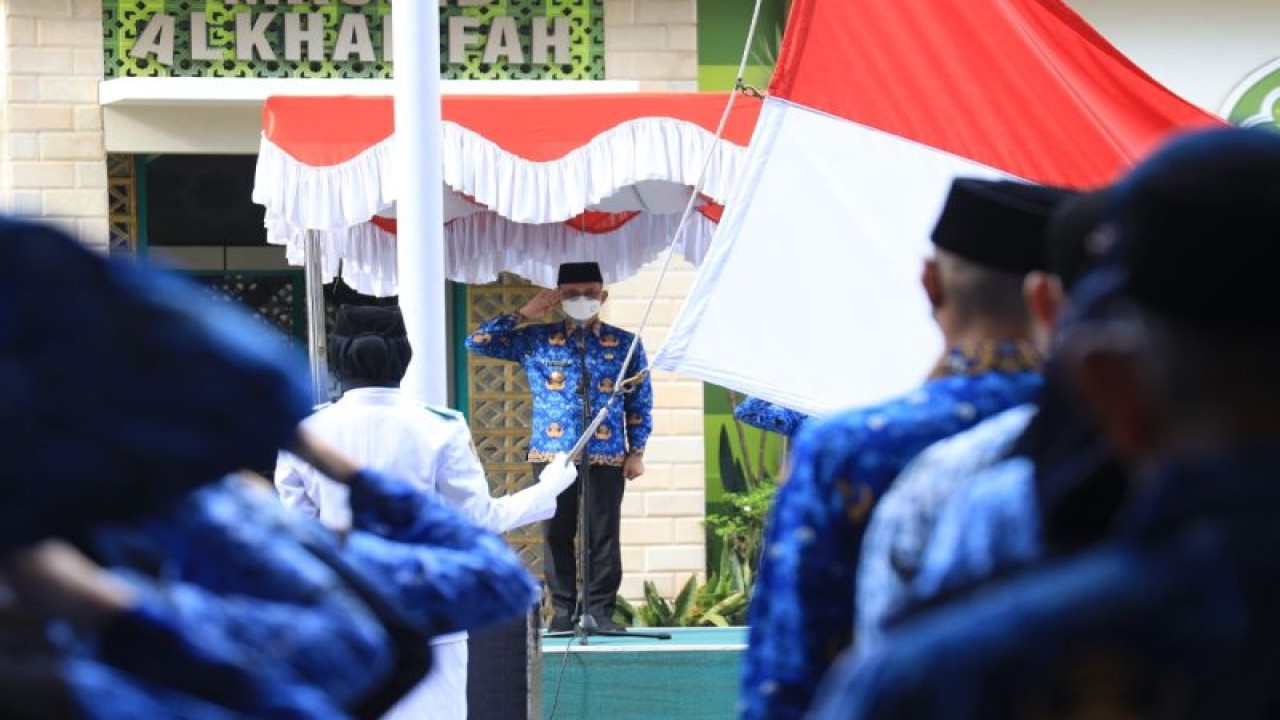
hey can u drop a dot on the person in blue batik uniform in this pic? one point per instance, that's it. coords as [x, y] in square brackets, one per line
[565, 361]
[768, 416]
[218, 594]
[987, 238]
[144, 660]
[228, 576]
[900, 536]
[232, 564]
[1175, 613]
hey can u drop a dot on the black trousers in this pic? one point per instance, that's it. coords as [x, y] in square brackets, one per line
[604, 521]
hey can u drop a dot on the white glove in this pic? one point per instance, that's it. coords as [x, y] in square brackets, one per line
[559, 474]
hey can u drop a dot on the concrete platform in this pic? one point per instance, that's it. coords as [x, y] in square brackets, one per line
[694, 675]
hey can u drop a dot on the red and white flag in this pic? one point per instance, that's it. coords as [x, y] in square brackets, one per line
[810, 296]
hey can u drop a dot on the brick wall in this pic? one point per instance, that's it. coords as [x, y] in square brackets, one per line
[655, 42]
[662, 532]
[53, 157]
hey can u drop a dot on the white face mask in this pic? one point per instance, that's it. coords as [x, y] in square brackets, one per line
[581, 309]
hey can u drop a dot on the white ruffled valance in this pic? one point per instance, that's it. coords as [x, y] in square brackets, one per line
[644, 164]
[480, 246]
[644, 149]
[300, 197]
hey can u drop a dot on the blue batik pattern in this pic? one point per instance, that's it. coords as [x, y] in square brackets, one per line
[150, 662]
[990, 526]
[1174, 616]
[443, 573]
[181, 389]
[553, 356]
[767, 416]
[802, 611]
[98, 692]
[234, 572]
[224, 563]
[902, 526]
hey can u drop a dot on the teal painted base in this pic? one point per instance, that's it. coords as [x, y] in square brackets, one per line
[694, 675]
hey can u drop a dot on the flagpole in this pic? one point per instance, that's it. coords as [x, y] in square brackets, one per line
[317, 343]
[419, 206]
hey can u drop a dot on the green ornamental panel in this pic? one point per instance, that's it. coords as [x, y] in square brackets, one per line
[498, 39]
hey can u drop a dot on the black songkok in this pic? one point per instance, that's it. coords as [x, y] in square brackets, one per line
[580, 272]
[1073, 243]
[1194, 227]
[999, 224]
[124, 387]
[369, 346]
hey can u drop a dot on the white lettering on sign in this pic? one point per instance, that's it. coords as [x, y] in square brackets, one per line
[304, 29]
[251, 36]
[503, 42]
[461, 36]
[200, 49]
[558, 39]
[301, 36]
[354, 38]
[156, 39]
[388, 38]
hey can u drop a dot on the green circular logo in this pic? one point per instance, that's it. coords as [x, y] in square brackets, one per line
[1256, 101]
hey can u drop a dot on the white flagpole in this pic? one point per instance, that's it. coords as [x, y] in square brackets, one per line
[419, 203]
[317, 343]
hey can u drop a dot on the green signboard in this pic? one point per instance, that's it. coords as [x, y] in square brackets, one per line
[479, 39]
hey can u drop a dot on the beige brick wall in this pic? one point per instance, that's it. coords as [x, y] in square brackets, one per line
[653, 41]
[53, 162]
[662, 533]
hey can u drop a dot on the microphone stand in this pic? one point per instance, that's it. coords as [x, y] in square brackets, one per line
[586, 626]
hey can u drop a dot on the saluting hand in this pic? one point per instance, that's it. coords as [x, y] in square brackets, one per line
[541, 304]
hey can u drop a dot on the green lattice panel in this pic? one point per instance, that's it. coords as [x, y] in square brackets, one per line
[124, 21]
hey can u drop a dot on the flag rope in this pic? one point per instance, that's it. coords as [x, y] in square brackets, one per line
[623, 384]
[620, 386]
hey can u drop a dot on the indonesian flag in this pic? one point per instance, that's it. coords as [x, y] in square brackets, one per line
[810, 296]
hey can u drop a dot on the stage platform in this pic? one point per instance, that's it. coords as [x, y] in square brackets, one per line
[693, 675]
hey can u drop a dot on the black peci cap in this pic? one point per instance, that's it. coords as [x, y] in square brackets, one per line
[1072, 240]
[1192, 229]
[999, 224]
[579, 272]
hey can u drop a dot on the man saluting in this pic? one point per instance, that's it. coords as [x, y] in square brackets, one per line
[573, 366]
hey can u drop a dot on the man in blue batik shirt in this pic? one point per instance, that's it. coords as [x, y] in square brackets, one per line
[1174, 614]
[565, 362]
[987, 239]
[901, 535]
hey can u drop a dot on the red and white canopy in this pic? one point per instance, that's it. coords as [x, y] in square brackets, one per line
[530, 181]
[874, 107]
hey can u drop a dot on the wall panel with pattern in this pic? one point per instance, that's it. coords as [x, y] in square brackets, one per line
[500, 408]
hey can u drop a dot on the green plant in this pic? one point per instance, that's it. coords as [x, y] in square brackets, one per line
[742, 527]
[719, 602]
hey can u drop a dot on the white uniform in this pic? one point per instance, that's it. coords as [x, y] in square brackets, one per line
[387, 431]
